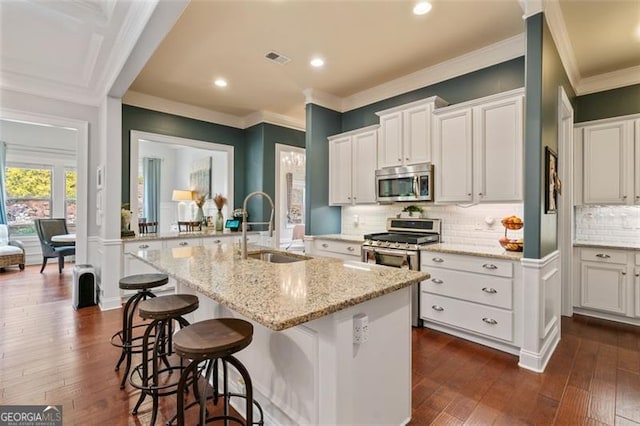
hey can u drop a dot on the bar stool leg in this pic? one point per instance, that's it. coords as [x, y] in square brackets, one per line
[247, 384]
[190, 370]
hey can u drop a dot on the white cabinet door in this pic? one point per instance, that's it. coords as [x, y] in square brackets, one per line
[390, 147]
[417, 134]
[453, 149]
[340, 171]
[498, 142]
[603, 287]
[606, 163]
[364, 167]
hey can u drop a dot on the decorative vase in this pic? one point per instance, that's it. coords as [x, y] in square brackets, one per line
[219, 221]
[199, 215]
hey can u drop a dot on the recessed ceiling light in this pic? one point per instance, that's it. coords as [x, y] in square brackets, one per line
[422, 8]
[317, 62]
[220, 82]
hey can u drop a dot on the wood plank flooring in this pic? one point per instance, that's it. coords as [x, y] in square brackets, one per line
[51, 354]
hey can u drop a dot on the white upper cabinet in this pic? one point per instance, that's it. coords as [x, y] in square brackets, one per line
[352, 166]
[405, 133]
[478, 150]
[608, 162]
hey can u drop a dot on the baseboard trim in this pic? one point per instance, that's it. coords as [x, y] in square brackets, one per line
[110, 304]
[538, 361]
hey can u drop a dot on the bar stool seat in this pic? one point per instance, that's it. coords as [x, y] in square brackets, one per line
[149, 376]
[213, 341]
[124, 338]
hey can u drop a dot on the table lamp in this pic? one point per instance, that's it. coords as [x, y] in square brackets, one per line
[182, 195]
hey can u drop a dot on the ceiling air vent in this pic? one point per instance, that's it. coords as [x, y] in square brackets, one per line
[277, 58]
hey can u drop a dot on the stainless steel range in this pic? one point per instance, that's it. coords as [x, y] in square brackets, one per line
[399, 247]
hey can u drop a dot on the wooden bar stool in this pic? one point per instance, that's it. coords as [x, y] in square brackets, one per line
[214, 341]
[149, 376]
[124, 338]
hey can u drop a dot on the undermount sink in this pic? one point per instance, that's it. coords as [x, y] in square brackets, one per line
[277, 257]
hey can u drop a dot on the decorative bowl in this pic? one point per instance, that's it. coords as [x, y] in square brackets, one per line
[511, 245]
[511, 225]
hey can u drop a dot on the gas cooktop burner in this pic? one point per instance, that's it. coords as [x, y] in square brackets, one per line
[406, 234]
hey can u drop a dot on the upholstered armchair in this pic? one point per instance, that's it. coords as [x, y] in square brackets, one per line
[11, 252]
[47, 228]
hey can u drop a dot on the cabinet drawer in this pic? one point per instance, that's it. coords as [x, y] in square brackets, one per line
[604, 255]
[482, 265]
[493, 291]
[340, 247]
[482, 319]
[133, 247]
[184, 242]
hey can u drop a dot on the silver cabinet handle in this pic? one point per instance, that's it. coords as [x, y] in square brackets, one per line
[407, 158]
[480, 194]
[603, 256]
[638, 275]
[438, 260]
[350, 248]
[183, 243]
[217, 241]
[489, 266]
[469, 194]
[437, 281]
[437, 308]
[143, 246]
[490, 321]
[638, 197]
[490, 290]
[623, 273]
[624, 197]
[348, 198]
[325, 245]
[400, 160]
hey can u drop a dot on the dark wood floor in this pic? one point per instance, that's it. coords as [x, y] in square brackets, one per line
[51, 354]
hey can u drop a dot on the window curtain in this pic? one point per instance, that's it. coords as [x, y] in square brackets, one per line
[3, 196]
[151, 195]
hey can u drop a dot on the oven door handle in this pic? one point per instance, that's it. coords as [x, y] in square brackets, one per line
[393, 252]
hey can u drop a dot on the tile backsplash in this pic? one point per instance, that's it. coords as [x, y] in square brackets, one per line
[607, 224]
[474, 225]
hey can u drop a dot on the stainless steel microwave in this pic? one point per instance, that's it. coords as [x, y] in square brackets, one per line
[410, 183]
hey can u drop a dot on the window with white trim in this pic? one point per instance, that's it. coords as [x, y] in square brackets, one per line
[29, 196]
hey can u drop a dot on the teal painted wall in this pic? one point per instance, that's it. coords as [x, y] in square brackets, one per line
[487, 81]
[261, 159]
[320, 218]
[545, 74]
[610, 103]
[254, 148]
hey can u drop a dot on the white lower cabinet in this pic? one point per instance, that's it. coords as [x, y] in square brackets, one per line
[473, 297]
[347, 250]
[607, 284]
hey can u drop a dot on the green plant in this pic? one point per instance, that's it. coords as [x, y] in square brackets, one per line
[413, 209]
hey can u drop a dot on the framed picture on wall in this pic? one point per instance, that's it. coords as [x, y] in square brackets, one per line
[551, 181]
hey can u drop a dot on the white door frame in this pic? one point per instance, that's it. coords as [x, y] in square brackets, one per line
[280, 148]
[82, 168]
[565, 217]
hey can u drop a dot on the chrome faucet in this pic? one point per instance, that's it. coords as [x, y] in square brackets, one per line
[245, 223]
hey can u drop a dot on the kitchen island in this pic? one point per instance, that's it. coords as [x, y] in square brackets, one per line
[303, 361]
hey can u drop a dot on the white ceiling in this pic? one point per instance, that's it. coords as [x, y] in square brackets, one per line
[74, 50]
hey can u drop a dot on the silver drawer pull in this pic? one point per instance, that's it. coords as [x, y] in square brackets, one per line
[325, 245]
[183, 243]
[143, 246]
[490, 290]
[437, 281]
[437, 308]
[217, 241]
[490, 321]
[637, 275]
[489, 266]
[350, 248]
[623, 273]
[438, 260]
[603, 256]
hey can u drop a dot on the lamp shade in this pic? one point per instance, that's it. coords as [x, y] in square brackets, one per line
[182, 195]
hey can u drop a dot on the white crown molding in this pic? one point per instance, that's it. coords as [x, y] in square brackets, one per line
[273, 118]
[178, 108]
[496, 53]
[608, 81]
[560, 35]
[327, 100]
[530, 7]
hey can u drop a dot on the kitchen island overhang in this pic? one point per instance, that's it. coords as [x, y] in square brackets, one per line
[303, 362]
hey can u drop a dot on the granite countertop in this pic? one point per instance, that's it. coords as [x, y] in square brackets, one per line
[337, 237]
[482, 251]
[180, 235]
[622, 246]
[279, 295]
